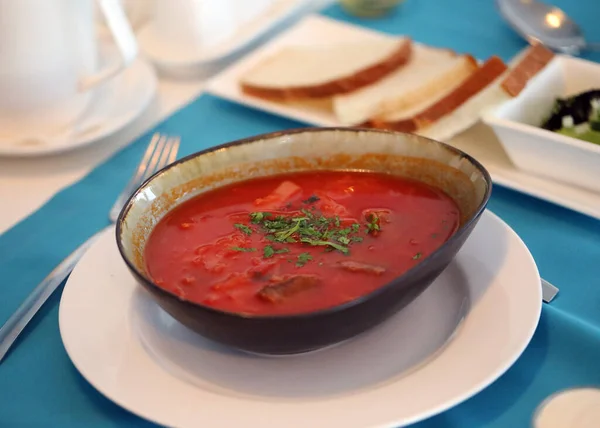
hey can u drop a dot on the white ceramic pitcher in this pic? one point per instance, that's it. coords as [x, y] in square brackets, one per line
[49, 62]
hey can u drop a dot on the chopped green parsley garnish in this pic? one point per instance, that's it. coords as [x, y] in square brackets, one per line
[244, 250]
[306, 227]
[344, 240]
[257, 217]
[242, 227]
[269, 251]
[303, 259]
[373, 224]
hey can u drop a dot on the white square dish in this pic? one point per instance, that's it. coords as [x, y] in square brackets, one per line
[532, 149]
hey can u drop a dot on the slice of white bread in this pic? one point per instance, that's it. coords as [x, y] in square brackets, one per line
[524, 66]
[314, 72]
[428, 73]
[492, 84]
[409, 121]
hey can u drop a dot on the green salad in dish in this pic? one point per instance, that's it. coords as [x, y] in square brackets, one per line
[577, 116]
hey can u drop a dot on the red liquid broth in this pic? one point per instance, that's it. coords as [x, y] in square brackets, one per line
[189, 252]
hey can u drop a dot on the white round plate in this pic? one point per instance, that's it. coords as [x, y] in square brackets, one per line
[113, 106]
[456, 338]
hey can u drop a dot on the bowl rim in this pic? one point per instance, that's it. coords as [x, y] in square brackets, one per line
[414, 271]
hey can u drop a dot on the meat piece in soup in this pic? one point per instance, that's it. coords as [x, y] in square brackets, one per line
[353, 266]
[288, 287]
[298, 242]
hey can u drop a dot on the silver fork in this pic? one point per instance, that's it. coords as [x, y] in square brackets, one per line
[161, 151]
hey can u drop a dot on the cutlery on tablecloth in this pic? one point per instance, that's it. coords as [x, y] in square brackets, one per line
[549, 291]
[161, 151]
[539, 22]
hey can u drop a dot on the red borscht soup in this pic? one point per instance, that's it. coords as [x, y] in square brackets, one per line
[298, 242]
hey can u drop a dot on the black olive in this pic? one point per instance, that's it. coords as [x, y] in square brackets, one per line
[578, 107]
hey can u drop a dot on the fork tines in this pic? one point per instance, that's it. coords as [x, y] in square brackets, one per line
[161, 151]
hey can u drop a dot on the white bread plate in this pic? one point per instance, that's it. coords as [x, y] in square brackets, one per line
[538, 151]
[328, 73]
[312, 31]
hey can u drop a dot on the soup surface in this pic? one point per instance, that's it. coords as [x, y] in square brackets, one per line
[298, 242]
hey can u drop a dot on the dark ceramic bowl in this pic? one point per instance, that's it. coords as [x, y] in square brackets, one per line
[434, 163]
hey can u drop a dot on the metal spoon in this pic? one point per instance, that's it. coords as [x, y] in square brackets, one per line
[538, 22]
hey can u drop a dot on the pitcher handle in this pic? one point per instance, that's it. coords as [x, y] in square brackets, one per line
[124, 38]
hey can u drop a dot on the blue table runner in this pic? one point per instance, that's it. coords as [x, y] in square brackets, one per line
[39, 387]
